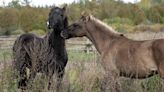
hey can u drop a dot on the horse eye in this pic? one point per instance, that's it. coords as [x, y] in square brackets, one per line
[75, 25]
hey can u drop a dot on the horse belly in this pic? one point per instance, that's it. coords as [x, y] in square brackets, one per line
[140, 64]
[138, 70]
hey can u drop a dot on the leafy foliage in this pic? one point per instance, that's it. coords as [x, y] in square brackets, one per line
[8, 20]
[114, 12]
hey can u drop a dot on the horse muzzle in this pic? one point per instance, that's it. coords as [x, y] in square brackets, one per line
[64, 34]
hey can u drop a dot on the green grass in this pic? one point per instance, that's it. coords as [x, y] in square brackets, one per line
[83, 74]
[81, 56]
[8, 82]
[5, 55]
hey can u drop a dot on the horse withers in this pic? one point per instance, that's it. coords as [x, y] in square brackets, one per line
[46, 55]
[120, 56]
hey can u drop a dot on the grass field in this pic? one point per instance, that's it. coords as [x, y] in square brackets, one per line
[77, 61]
[83, 74]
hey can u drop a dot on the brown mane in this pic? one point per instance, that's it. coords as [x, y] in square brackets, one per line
[103, 26]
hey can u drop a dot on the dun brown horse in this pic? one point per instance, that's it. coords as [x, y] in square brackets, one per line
[119, 55]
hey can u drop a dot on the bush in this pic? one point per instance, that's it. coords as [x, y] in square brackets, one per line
[17, 32]
[162, 20]
[38, 32]
[119, 20]
[8, 20]
[120, 24]
[122, 28]
[142, 28]
[153, 28]
[33, 18]
[154, 15]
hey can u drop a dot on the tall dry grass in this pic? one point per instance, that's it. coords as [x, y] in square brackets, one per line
[83, 73]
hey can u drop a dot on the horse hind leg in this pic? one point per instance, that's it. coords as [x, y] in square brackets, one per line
[22, 82]
[158, 49]
[160, 60]
[161, 69]
[20, 66]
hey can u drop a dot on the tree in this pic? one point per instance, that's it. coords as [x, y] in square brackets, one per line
[157, 1]
[14, 4]
[27, 2]
[33, 18]
[154, 15]
[145, 4]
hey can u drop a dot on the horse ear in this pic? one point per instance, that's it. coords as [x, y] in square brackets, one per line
[53, 6]
[88, 18]
[64, 7]
[84, 16]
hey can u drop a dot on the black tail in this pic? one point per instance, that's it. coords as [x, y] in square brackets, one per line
[20, 63]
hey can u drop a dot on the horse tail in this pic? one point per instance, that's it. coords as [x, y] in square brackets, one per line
[20, 59]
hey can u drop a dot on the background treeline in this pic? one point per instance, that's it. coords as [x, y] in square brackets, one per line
[146, 15]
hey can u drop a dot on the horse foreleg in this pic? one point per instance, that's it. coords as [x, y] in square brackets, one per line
[59, 81]
[22, 74]
[49, 80]
[161, 70]
[23, 78]
[158, 52]
[31, 77]
[110, 83]
[160, 62]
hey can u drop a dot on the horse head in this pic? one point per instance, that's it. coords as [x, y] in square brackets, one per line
[78, 28]
[57, 18]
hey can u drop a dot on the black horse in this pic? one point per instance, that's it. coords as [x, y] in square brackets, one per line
[46, 55]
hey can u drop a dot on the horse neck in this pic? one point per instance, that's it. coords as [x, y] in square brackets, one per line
[56, 41]
[100, 37]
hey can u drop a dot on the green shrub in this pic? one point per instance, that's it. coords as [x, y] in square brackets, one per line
[119, 21]
[17, 32]
[8, 20]
[38, 32]
[162, 20]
